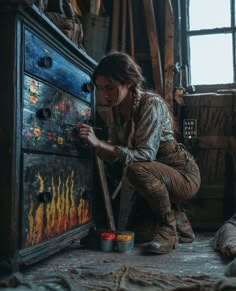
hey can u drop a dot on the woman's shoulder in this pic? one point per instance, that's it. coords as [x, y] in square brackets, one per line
[149, 98]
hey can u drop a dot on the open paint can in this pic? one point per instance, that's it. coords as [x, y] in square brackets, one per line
[124, 241]
[107, 241]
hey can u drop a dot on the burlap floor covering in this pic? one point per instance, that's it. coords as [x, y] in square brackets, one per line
[125, 279]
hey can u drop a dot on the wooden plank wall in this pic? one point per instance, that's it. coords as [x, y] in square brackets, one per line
[215, 152]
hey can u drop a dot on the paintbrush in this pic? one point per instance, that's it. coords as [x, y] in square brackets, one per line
[93, 127]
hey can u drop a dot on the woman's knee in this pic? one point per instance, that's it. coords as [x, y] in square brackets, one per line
[141, 177]
[135, 172]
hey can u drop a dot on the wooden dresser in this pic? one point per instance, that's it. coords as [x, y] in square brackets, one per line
[47, 174]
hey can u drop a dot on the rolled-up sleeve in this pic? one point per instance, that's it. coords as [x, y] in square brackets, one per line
[147, 134]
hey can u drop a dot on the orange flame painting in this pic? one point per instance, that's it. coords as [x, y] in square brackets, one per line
[61, 214]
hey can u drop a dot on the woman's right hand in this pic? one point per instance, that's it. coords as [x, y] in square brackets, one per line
[87, 134]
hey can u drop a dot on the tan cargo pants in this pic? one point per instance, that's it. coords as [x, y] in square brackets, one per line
[175, 171]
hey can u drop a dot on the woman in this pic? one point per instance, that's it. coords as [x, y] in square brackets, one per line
[142, 139]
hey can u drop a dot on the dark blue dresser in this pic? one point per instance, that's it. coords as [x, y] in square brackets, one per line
[47, 173]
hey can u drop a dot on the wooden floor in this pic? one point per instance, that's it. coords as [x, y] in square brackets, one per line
[197, 259]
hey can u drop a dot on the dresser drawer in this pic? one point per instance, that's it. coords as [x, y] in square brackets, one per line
[50, 117]
[44, 62]
[57, 196]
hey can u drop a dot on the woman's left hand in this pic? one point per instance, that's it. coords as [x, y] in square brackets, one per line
[87, 134]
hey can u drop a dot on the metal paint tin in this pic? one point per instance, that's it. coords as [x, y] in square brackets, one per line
[126, 232]
[107, 240]
[124, 241]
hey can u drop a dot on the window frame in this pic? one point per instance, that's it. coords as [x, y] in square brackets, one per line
[186, 33]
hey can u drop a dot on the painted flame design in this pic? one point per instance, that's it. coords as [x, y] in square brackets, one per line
[61, 214]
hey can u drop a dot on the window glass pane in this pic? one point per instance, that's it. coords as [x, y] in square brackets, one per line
[207, 14]
[211, 59]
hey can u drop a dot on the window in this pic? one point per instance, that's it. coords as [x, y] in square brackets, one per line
[210, 41]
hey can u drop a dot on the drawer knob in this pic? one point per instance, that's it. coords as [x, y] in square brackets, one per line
[46, 62]
[87, 194]
[44, 113]
[88, 87]
[45, 197]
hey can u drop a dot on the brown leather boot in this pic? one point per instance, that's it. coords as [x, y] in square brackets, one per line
[166, 236]
[184, 228]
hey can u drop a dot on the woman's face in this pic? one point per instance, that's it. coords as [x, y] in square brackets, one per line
[114, 93]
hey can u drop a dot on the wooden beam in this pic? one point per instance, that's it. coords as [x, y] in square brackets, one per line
[83, 5]
[95, 6]
[106, 196]
[76, 8]
[153, 45]
[115, 24]
[169, 54]
[131, 28]
[123, 31]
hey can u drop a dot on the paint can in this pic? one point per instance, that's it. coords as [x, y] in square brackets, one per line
[107, 241]
[124, 241]
[127, 232]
